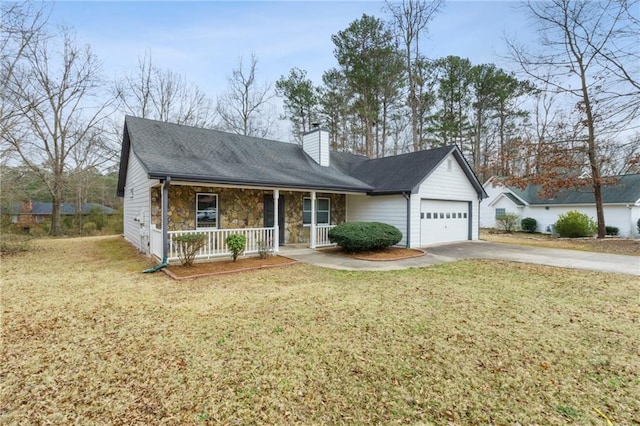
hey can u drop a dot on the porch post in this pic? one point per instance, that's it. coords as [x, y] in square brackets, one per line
[165, 218]
[312, 229]
[276, 225]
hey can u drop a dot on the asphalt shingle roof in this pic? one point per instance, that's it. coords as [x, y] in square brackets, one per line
[205, 155]
[625, 190]
[44, 209]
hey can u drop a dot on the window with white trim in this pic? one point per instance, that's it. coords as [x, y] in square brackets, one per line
[500, 213]
[323, 211]
[206, 210]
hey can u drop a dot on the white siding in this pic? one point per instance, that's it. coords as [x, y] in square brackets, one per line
[488, 212]
[137, 205]
[324, 148]
[618, 216]
[316, 145]
[390, 209]
[444, 184]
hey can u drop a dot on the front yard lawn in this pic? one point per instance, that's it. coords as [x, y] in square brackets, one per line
[88, 339]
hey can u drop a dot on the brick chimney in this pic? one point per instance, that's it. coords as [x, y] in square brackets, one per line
[316, 144]
[26, 207]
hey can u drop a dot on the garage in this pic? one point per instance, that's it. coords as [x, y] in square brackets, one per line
[444, 221]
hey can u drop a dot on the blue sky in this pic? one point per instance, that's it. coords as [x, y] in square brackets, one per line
[203, 40]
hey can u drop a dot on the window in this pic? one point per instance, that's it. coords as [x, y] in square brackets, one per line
[459, 215]
[500, 212]
[206, 211]
[448, 215]
[428, 215]
[323, 211]
[441, 215]
[449, 165]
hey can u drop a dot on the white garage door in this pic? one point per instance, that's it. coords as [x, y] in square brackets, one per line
[443, 221]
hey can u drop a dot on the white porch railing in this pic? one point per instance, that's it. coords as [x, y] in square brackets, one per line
[322, 235]
[216, 241]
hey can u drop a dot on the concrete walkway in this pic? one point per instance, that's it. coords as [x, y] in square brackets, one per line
[476, 250]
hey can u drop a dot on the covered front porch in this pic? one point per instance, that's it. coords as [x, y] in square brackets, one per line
[268, 218]
[216, 246]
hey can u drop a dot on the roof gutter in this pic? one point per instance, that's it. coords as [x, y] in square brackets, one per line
[268, 185]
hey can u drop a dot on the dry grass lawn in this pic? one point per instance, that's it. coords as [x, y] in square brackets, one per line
[88, 339]
[608, 245]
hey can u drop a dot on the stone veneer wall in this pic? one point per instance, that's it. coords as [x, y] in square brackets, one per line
[240, 208]
[295, 231]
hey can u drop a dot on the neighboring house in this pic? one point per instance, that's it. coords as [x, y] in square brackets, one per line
[177, 179]
[621, 202]
[29, 214]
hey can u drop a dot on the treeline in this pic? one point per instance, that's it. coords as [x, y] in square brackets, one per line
[568, 117]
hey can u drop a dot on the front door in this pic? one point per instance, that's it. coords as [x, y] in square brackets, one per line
[268, 215]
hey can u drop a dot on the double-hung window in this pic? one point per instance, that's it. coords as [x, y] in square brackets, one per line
[323, 211]
[500, 213]
[206, 211]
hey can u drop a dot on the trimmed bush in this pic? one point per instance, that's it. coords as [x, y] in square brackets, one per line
[236, 244]
[574, 224]
[188, 247]
[612, 230]
[638, 226]
[364, 236]
[508, 222]
[529, 224]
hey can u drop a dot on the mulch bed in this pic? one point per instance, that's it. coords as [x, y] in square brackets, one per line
[387, 254]
[218, 267]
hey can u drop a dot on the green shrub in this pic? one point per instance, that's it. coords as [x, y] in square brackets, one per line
[638, 225]
[188, 246]
[508, 222]
[529, 224]
[574, 224]
[236, 244]
[364, 236]
[612, 230]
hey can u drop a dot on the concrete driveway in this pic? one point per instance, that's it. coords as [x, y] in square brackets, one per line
[477, 250]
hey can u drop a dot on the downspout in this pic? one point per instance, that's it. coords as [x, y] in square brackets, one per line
[407, 196]
[165, 227]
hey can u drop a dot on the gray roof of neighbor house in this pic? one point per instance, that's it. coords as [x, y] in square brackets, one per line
[204, 155]
[44, 209]
[625, 190]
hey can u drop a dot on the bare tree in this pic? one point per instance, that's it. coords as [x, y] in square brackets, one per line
[244, 108]
[585, 57]
[410, 18]
[55, 88]
[164, 95]
[21, 26]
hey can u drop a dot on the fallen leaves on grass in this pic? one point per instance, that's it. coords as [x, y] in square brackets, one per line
[600, 245]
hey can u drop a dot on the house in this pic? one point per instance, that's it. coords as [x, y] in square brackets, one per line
[621, 202]
[28, 214]
[177, 179]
